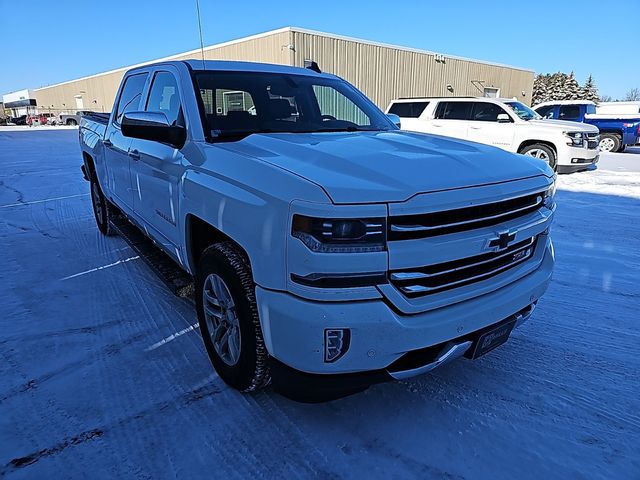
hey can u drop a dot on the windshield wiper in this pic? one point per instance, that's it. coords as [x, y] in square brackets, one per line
[231, 134]
[347, 129]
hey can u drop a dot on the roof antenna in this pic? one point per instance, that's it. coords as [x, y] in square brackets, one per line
[200, 29]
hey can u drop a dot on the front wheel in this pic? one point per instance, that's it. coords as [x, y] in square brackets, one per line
[228, 317]
[541, 152]
[609, 142]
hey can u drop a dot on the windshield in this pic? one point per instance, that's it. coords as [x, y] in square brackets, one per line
[524, 112]
[237, 104]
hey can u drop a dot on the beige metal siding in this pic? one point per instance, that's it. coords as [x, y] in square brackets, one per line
[98, 92]
[384, 73]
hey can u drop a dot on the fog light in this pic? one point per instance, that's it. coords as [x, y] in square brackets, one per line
[336, 343]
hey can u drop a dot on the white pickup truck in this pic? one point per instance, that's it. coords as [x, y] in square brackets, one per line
[503, 123]
[329, 249]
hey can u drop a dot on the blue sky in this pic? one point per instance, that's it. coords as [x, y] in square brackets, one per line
[45, 42]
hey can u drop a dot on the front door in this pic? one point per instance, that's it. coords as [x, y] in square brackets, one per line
[485, 127]
[156, 168]
[117, 146]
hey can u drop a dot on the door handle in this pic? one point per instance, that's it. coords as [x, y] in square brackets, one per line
[474, 128]
[107, 143]
[134, 154]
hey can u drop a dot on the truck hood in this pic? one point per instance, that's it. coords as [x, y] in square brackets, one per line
[564, 126]
[391, 166]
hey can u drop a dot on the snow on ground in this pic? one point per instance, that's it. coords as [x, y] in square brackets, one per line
[102, 374]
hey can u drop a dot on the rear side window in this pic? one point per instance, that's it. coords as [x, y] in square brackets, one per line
[569, 112]
[131, 95]
[545, 112]
[454, 110]
[164, 96]
[408, 109]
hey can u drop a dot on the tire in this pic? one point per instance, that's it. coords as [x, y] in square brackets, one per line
[224, 283]
[103, 210]
[542, 152]
[72, 123]
[610, 142]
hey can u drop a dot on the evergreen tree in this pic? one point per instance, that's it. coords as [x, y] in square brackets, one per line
[589, 91]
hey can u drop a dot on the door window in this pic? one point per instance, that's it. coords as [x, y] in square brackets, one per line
[131, 95]
[569, 112]
[164, 96]
[454, 110]
[486, 112]
[545, 112]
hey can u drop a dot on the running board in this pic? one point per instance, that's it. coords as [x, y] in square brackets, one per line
[177, 280]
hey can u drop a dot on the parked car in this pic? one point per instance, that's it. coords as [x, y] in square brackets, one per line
[329, 249]
[507, 124]
[617, 131]
[72, 119]
[19, 120]
[40, 119]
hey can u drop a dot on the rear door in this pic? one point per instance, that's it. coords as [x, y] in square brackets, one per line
[156, 168]
[117, 145]
[451, 118]
[485, 128]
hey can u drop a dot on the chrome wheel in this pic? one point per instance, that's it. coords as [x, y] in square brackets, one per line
[538, 153]
[222, 319]
[607, 145]
[95, 199]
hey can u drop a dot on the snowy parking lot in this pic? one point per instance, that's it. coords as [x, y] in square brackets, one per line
[103, 372]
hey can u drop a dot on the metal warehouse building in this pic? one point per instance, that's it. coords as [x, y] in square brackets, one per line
[381, 71]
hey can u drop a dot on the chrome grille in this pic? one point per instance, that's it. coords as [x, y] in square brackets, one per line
[457, 273]
[593, 139]
[407, 227]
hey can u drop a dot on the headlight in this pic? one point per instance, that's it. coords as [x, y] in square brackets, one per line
[549, 195]
[340, 235]
[576, 139]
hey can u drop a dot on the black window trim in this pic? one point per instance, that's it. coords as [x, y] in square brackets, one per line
[153, 76]
[116, 108]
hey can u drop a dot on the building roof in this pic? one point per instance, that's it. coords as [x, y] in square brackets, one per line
[197, 52]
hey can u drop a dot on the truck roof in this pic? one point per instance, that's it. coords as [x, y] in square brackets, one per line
[565, 102]
[233, 66]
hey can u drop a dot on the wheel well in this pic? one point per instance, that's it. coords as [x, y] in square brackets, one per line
[88, 161]
[528, 143]
[201, 235]
[611, 132]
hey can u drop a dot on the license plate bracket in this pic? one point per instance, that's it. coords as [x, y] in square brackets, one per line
[491, 339]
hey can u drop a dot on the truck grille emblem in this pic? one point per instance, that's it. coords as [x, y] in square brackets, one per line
[502, 241]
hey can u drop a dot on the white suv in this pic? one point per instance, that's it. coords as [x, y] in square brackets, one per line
[504, 123]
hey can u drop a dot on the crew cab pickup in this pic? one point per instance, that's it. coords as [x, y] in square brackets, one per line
[503, 123]
[329, 249]
[617, 131]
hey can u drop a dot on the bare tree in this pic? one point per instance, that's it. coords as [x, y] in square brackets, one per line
[606, 98]
[632, 95]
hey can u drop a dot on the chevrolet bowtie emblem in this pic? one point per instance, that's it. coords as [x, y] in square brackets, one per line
[502, 241]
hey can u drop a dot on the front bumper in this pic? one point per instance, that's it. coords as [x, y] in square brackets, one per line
[293, 327]
[577, 157]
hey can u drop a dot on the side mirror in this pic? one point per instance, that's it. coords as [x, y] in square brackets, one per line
[153, 126]
[394, 118]
[503, 118]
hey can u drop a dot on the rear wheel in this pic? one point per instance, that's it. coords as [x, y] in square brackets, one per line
[541, 152]
[103, 210]
[228, 317]
[609, 142]
[72, 122]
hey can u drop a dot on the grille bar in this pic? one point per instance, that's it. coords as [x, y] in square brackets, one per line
[456, 273]
[461, 219]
